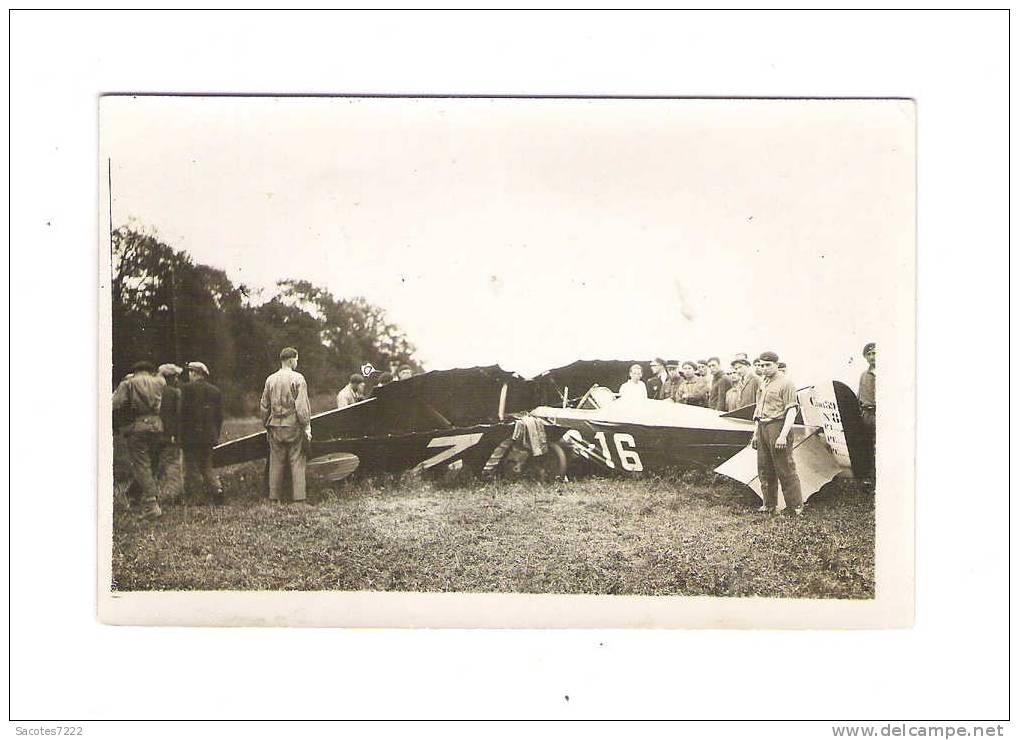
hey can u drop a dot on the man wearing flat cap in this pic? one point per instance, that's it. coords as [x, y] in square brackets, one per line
[201, 419]
[748, 383]
[775, 413]
[868, 386]
[169, 475]
[868, 402]
[136, 406]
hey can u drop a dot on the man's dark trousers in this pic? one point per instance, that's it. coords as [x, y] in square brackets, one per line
[773, 463]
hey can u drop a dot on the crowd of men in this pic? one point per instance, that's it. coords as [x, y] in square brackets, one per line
[169, 425]
[165, 420]
[763, 384]
[699, 382]
[357, 387]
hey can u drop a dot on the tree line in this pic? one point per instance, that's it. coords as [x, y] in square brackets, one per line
[169, 308]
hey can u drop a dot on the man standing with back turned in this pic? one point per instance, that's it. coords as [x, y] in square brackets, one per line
[775, 414]
[137, 401]
[201, 419]
[286, 414]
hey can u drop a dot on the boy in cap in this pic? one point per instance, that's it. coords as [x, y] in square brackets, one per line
[775, 413]
[201, 419]
[136, 403]
[352, 392]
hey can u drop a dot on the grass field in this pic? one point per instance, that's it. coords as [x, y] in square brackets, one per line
[686, 533]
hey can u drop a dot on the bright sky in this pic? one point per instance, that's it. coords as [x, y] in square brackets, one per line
[531, 233]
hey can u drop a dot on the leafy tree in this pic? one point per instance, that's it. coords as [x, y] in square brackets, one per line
[168, 308]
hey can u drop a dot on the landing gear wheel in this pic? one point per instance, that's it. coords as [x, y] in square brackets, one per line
[551, 465]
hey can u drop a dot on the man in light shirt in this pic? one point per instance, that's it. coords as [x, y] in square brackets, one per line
[775, 413]
[352, 392]
[136, 405]
[634, 388]
[286, 413]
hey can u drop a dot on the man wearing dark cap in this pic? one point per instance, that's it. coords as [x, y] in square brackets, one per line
[868, 386]
[286, 413]
[201, 419]
[775, 413]
[352, 392]
[136, 405]
[692, 389]
[868, 403]
[748, 383]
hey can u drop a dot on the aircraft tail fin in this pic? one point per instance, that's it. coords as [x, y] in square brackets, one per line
[835, 408]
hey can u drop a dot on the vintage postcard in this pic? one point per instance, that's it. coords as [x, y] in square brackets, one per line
[506, 362]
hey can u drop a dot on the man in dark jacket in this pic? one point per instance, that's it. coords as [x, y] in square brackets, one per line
[201, 417]
[720, 385]
[659, 377]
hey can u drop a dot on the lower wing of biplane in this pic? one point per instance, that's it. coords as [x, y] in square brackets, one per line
[450, 418]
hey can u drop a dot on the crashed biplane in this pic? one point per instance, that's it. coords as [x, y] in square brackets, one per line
[488, 420]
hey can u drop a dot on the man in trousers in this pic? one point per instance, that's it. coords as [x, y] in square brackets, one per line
[868, 406]
[136, 403]
[201, 419]
[170, 477]
[286, 413]
[775, 413]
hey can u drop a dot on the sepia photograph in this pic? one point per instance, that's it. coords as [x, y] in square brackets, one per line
[380, 350]
[474, 366]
